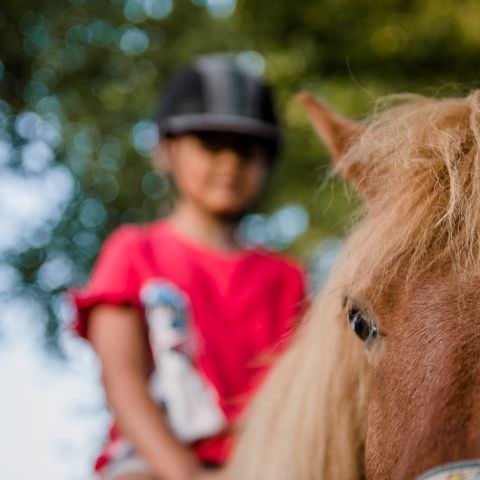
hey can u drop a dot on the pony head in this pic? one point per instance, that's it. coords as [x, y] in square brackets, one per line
[383, 378]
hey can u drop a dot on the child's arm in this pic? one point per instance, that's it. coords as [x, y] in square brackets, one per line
[119, 338]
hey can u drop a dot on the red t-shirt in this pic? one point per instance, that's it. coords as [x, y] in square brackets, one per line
[243, 305]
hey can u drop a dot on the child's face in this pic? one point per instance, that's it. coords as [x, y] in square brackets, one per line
[220, 172]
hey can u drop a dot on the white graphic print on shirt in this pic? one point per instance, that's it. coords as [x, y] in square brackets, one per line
[191, 403]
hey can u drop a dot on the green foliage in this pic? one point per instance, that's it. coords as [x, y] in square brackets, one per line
[95, 68]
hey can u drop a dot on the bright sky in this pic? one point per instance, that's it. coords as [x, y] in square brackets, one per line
[52, 418]
[51, 412]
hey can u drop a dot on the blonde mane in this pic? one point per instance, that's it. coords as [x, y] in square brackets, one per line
[417, 166]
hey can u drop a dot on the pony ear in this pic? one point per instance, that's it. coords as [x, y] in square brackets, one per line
[338, 132]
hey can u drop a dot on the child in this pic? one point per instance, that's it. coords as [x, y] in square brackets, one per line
[182, 317]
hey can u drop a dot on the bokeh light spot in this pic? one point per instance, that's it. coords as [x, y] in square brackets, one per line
[108, 163]
[72, 57]
[56, 272]
[28, 125]
[10, 278]
[154, 186]
[82, 142]
[253, 230]
[290, 221]
[41, 237]
[388, 39]
[144, 137]
[77, 34]
[134, 11]
[3, 124]
[106, 187]
[51, 130]
[31, 202]
[38, 38]
[111, 155]
[49, 104]
[87, 240]
[100, 33]
[31, 127]
[36, 156]
[277, 231]
[59, 184]
[158, 9]
[5, 107]
[323, 260]
[24, 317]
[134, 41]
[6, 152]
[252, 62]
[34, 91]
[221, 8]
[92, 213]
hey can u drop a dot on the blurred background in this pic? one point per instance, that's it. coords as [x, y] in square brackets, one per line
[79, 81]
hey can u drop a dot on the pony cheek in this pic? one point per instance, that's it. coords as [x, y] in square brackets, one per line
[392, 416]
[375, 352]
[380, 453]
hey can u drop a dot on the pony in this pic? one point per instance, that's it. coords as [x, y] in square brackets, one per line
[382, 380]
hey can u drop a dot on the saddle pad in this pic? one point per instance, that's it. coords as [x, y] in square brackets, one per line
[467, 470]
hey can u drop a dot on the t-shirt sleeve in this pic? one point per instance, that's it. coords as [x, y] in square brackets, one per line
[114, 279]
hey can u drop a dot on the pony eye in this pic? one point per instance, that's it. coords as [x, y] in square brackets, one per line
[365, 329]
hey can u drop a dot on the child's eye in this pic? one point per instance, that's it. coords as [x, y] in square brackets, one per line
[245, 146]
[211, 144]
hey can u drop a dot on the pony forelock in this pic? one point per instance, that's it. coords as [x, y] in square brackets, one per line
[420, 167]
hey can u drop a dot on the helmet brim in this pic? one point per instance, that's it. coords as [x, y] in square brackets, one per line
[178, 124]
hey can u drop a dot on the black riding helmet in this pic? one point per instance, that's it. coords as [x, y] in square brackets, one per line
[216, 94]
